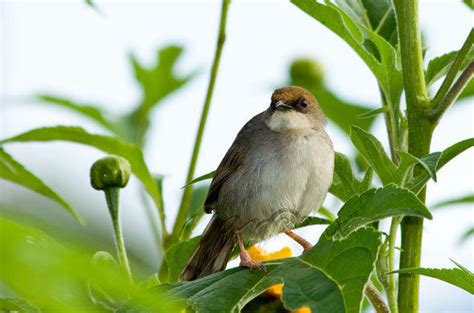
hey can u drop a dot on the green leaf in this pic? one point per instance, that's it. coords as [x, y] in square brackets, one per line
[373, 113]
[13, 305]
[468, 233]
[331, 276]
[465, 199]
[53, 275]
[468, 91]
[345, 184]
[313, 220]
[13, 171]
[419, 181]
[439, 66]
[376, 15]
[160, 79]
[207, 176]
[92, 112]
[373, 205]
[107, 144]
[195, 210]
[374, 153]
[379, 55]
[469, 3]
[178, 255]
[460, 277]
[408, 162]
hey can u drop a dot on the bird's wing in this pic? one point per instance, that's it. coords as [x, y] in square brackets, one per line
[232, 160]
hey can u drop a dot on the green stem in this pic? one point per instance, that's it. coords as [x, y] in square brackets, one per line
[112, 198]
[438, 111]
[420, 130]
[186, 198]
[453, 70]
[391, 122]
[391, 282]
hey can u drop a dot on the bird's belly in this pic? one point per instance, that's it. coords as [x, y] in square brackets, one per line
[279, 191]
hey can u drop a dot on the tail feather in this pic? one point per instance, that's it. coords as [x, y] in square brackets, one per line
[213, 251]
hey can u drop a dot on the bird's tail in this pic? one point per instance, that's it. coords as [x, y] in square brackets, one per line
[213, 251]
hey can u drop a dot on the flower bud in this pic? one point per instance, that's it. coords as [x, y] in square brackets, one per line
[111, 171]
[306, 72]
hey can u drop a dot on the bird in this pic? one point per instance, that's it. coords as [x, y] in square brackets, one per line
[276, 172]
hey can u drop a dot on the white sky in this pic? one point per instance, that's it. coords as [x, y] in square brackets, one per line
[67, 48]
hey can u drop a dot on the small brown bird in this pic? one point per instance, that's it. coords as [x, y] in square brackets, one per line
[276, 172]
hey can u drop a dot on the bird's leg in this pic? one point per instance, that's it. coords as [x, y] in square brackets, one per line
[245, 258]
[303, 242]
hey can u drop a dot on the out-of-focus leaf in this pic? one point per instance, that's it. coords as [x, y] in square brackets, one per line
[373, 205]
[308, 73]
[52, 276]
[469, 3]
[107, 144]
[467, 234]
[466, 199]
[207, 176]
[178, 255]
[408, 162]
[99, 293]
[379, 55]
[376, 15]
[419, 181]
[196, 209]
[439, 66]
[11, 305]
[374, 153]
[329, 277]
[460, 277]
[92, 112]
[345, 184]
[326, 213]
[13, 171]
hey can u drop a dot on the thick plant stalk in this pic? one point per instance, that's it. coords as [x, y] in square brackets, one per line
[376, 299]
[186, 198]
[420, 130]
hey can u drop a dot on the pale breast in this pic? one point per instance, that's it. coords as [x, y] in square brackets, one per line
[279, 184]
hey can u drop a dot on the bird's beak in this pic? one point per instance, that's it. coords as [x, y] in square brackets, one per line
[282, 105]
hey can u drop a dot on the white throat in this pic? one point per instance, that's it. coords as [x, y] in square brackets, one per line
[283, 121]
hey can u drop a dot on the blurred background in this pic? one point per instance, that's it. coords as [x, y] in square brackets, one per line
[78, 52]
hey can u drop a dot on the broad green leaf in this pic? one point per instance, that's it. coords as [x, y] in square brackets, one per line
[469, 3]
[92, 112]
[12, 305]
[374, 205]
[408, 162]
[207, 176]
[374, 153]
[345, 184]
[178, 255]
[379, 55]
[466, 199]
[439, 66]
[107, 144]
[460, 277]
[376, 15]
[13, 171]
[331, 276]
[53, 275]
[308, 73]
[419, 181]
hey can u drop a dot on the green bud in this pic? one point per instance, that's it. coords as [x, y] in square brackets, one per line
[111, 171]
[306, 72]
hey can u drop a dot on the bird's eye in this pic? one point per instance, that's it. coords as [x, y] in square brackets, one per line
[303, 103]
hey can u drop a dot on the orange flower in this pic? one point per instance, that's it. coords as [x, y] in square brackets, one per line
[259, 254]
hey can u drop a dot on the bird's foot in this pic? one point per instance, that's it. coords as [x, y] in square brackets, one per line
[252, 265]
[303, 242]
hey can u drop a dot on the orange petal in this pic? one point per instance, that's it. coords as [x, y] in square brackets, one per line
[259, 254]
[303, 309]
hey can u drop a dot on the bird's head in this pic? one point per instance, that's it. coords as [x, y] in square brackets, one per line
[294, 108]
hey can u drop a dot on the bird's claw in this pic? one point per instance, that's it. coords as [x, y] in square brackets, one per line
[252, 265]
